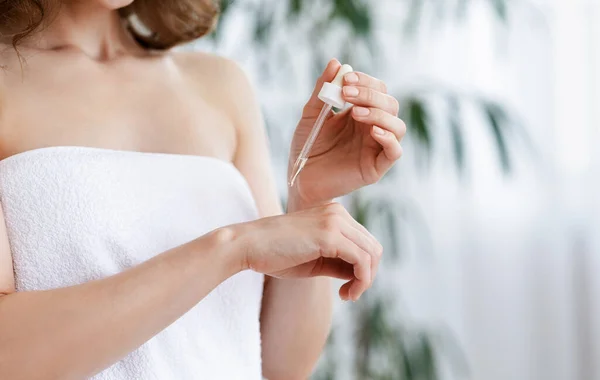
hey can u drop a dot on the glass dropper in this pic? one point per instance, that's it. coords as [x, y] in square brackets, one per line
[331, 95]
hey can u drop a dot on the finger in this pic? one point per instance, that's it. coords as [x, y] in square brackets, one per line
[355, 231]
[357, 78]
[360, 236]
[376, 252]
[314, 104]
[392, 150]
[380, 118]
[345, 290]
[325, 267]
[363, 240]
[368, 97]
[361, 262]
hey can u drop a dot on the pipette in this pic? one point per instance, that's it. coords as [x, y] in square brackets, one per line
[331, 95]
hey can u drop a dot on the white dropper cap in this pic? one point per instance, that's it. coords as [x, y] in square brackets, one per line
[331, 93]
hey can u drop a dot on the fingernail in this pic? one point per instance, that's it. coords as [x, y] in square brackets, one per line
[361, 111]
[350, 91]
[378, 131]
[351, 78]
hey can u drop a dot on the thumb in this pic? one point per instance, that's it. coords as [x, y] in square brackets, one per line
[328, 75]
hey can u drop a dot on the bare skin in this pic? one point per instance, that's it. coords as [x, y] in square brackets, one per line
[86, 83]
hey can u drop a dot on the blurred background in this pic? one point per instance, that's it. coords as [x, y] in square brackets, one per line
[491, 221]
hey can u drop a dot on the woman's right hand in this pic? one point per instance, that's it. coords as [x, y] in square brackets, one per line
[322, 241]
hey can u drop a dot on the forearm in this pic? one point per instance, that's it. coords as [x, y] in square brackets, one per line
[74, 332]
[296, 320]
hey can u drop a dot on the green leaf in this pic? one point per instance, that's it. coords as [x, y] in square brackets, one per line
[225, 5]
[224, 8]
[373, 331]
[392, 224]
[405, 364]
[262, 28]
[423, 358]
[296, 7]
[413, 17]
[416, 115]
[458, 144]
[387, 210]
[501, 9]
[360, 210]
[355, 13]
[498, 120]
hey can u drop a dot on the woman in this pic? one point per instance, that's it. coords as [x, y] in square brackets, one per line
[140, 211]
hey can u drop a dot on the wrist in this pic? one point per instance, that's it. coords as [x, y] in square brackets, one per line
[296, 202]
[223, 241]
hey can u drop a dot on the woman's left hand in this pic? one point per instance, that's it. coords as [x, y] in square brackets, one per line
[355, 148]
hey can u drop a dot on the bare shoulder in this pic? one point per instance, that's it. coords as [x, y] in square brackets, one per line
[222, 79]
[209, 65]
[224, 84]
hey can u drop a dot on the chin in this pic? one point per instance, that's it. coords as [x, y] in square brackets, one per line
[115, 4]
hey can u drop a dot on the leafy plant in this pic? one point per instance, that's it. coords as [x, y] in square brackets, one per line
[386, 347]
[282, 28]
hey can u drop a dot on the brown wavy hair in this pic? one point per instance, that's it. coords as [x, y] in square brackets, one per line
[172, 22]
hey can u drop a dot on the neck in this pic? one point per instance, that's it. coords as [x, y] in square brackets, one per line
[85, 26]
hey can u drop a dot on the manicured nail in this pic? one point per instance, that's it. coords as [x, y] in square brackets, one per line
[351, 78]
[378, 131]
[350, 91]
[361, 111]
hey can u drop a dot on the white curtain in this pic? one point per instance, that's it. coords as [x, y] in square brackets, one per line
[516, 259]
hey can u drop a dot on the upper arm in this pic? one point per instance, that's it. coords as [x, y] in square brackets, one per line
[7, 277]
[225, 84]
[252, 156]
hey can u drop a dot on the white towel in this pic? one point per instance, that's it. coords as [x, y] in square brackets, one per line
[76, 214]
